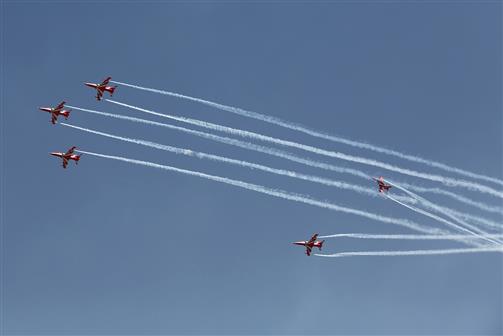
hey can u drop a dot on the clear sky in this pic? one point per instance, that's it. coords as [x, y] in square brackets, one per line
[111, 248]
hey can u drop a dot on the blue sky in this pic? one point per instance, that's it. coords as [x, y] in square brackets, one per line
[111, 248]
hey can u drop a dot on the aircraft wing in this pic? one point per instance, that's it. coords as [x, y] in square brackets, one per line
[70, 151]
[105, 82]
[61, 105]
[313, 238]
[65, 163]
[308, 250]
[99, 94]
[54, 117]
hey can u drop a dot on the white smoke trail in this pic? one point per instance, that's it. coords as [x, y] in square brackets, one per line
[442, 211]
[237, 143]
[469, 217]
[459, 198]
[265, 150]
[488, 223]
[270, 151]
[440, 219]
[200, 155]
[406, 236]
[412, 253]
[247, 134]
[303, 129]
[280, 194]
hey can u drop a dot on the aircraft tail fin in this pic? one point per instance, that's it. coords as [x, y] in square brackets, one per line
[112, 89]
[321, 244]
[77, 158]
[66, 114]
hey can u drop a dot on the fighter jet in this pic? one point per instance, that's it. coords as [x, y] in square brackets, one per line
[67, 156]
[100, 88]
[383, 186]
[56, 111]
[311, 243]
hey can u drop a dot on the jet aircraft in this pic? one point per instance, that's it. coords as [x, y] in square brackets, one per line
[383, 186]
[310, 244]
[56, 111]
[101, 88]
[67, 156]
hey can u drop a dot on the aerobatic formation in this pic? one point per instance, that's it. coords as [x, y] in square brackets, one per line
[478, 232]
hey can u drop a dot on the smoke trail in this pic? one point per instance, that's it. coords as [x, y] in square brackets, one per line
[258, 148]
[469, 217]
[459, 198]
[437, 178]
[440, 219]
[406, 236]
[280, 194]
[303, 129]
[412, 253]
[232, 161]
[488, 223]
[200, 155]
[441, 210]
[237, 143]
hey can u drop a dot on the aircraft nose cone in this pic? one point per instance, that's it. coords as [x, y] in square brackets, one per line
[89, 84]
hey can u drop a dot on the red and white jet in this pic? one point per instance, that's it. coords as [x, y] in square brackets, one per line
[56, 111]
[383, 186]
[67, 156]
[310, 244]
[101, 88]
